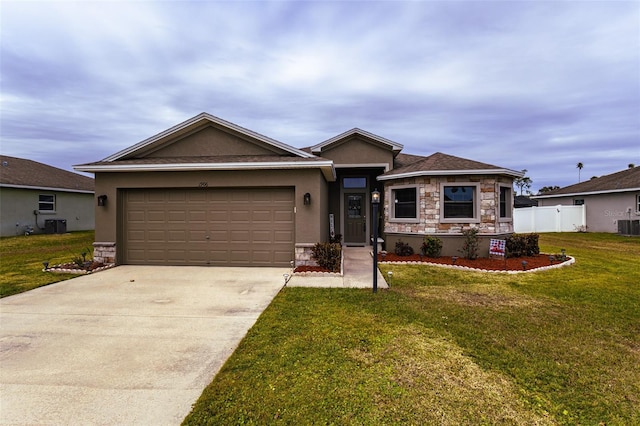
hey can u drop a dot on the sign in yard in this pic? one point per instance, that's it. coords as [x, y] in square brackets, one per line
[497, 247]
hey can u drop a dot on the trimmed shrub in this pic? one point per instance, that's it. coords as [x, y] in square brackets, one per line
[470, 246]
[336, 239]
[519, 245]
[403, 249]
[431, 247]
[327, 255]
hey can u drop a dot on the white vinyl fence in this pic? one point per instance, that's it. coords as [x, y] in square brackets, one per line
[549, 219]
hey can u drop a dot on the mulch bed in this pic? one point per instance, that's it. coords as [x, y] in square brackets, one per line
[484, 263]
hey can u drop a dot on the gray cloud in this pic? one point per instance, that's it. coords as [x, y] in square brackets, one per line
[524, 85]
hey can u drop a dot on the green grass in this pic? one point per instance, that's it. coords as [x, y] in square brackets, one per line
[21, 259]
[447, 347]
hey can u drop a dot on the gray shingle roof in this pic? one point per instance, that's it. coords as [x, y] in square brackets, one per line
[27, 173]
[413, 165]
[628, 179]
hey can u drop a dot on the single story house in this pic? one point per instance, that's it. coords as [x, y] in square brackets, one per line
[37, 198]
[610, 201]
[209, 192]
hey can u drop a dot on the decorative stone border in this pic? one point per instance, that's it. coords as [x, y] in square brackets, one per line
[570, 261]
[58, 269]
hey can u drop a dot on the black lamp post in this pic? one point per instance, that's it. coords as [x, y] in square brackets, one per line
[375, 200]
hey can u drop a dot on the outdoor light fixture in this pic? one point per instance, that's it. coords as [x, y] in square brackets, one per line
[551, 259]
[454, 259]
[46, 265]
[375, 197]
[524, 265]
[307, 199]
[375, 200]
[102, 200]
[286, 278]
[564, 254]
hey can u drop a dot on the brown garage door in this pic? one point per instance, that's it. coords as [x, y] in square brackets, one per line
[231, 227]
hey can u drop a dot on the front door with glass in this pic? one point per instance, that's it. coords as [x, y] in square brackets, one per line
[355, 226]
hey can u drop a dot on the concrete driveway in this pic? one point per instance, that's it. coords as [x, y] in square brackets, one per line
[129, 345]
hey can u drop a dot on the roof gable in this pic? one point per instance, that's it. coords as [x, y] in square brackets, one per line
[21, 173]
[622, 181]
[206, 134]
[441, 164]
[358, 134]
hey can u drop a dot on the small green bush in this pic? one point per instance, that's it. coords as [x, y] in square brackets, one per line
[470, 246]
[518, 245]
[328, 255]
[403, 249]
[432, 246]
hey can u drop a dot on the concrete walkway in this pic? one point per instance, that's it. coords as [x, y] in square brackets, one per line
[358, 273]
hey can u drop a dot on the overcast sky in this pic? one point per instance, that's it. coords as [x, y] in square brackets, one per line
[536, 85]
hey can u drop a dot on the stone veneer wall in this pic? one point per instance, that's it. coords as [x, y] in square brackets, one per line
[429, 206]
[104, 252]
[303, 255]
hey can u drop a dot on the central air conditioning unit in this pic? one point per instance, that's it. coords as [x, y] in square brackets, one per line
[55, 226]
[629, 227]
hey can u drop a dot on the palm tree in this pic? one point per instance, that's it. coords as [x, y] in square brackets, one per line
[579, 166]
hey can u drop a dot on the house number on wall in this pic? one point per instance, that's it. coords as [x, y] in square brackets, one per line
[203, 184]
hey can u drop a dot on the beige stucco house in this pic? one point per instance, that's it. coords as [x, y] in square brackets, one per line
[37, 198]
[209, 192]
[612, 202]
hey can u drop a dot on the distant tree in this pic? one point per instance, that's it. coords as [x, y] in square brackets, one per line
[548, 189]
[579, 166]
[631, 165]
[523, 182]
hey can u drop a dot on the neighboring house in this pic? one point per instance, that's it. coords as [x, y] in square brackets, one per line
[209, 192]
[607, 199]
[523, 201]
[36, 198]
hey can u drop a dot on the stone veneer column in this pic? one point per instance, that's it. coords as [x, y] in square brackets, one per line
[104, 252]
[303, 255]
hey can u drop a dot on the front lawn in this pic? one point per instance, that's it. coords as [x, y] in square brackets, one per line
[21, 259]
[447, 347]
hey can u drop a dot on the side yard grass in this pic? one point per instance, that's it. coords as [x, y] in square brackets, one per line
[447, 347]
[21, 259]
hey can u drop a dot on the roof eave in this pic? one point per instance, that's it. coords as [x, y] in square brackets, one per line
[46, 188]
[573, 194]
[326, 167]
[507, 172]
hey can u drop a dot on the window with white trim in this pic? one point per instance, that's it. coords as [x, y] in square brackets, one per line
[459, 202]
[47, 202]
[404, 204]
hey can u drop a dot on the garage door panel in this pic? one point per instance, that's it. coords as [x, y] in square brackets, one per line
[240, 216]
[283, 237]
[241, 227]
[158, 216]
[262, 237]
[154, 236]
[239, 236]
